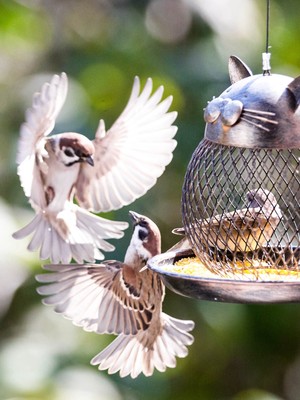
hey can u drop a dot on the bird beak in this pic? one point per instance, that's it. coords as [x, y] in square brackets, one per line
[135, 217]
[89, 160]
[178, 231]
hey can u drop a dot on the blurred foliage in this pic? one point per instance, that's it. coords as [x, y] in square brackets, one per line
[241, 351]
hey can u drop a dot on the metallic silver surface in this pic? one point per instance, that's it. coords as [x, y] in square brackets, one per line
[223, 290]
[256, 111]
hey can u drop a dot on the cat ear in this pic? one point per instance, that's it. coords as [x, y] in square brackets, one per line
[237, 69]
[294, 89]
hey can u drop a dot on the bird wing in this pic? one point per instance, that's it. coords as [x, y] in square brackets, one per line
[246, 217]
[131, 155]
[241, 219]
[103, 298]
[39, 122]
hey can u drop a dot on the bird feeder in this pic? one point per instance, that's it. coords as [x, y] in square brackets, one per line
[241, 194]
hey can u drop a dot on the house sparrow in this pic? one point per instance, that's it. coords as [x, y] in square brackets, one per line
[242, 230]
[104, 174]
[122, 298]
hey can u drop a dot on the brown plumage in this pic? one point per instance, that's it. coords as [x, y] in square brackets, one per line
[244, 229]
[123, 298]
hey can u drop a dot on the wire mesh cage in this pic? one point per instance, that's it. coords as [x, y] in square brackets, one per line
[241, 193]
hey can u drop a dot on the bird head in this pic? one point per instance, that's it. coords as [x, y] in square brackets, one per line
[146, 239]
[73, 147]
[264, 199]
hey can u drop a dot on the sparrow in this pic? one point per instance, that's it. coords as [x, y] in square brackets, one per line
[102, 174]
[241, 230]
[125, 299]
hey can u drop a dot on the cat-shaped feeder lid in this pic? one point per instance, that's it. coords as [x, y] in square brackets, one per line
[255, 111]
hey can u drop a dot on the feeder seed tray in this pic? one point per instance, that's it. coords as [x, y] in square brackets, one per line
[276, 286]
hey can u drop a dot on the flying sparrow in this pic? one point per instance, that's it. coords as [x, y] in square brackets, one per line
[104, 174]
[122, 298]
[241, 230]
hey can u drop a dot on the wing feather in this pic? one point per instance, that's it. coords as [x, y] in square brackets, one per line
[97, 296]
[132, 154]
[39, 122]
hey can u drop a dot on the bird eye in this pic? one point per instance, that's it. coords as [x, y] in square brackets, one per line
[68, 152]
[143, 223]
[143, 234]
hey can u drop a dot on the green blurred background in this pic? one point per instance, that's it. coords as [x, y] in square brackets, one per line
[240, 351]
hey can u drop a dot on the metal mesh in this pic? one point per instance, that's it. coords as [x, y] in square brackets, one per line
[215, 189]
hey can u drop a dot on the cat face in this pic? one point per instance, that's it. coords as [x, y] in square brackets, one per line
[255, 111]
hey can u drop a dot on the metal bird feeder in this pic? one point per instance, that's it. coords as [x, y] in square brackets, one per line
[251, 145]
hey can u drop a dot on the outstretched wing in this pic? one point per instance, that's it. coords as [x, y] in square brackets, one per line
[39, 122]
[132, 154]
[102, 298]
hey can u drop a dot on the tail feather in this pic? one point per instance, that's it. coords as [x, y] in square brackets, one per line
[74, 233]
[58, 247]
[38, 228]
[182, 324]
[137, 359]
[130, 355]
[158, 358]
[46, 244]
[28, 229]
[93, 224]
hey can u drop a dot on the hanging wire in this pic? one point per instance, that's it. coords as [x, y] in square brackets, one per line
[267, 55]
[268, 26]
